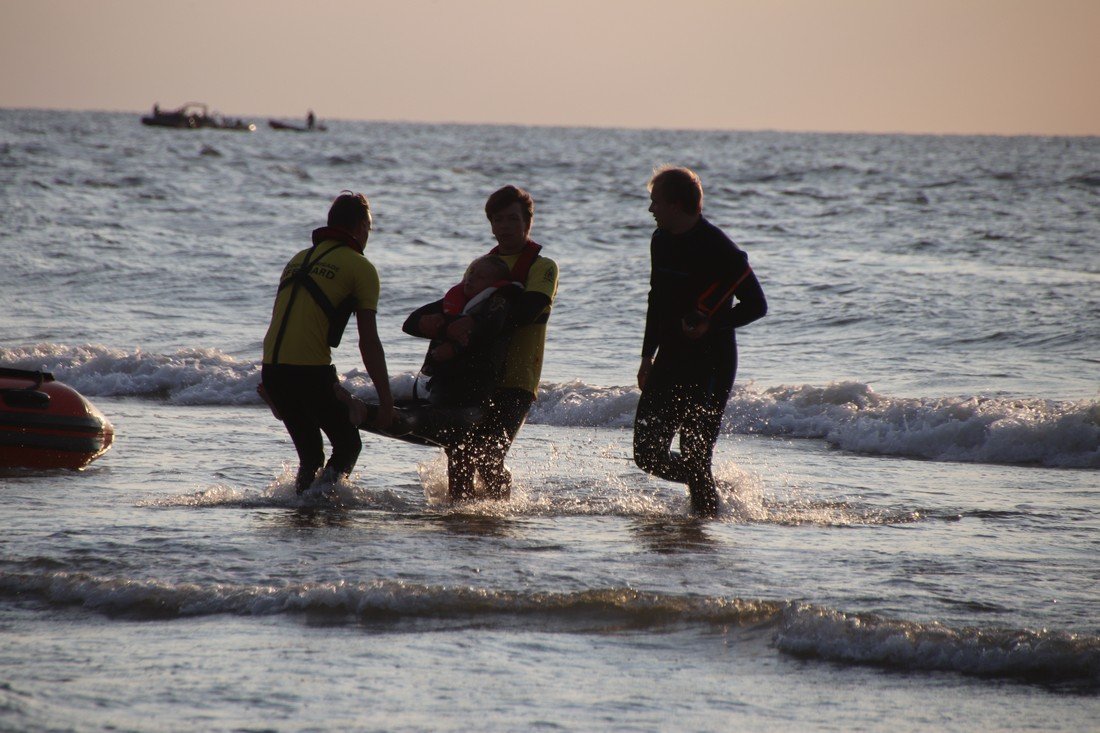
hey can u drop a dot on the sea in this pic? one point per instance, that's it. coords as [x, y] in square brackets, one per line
[909, 462]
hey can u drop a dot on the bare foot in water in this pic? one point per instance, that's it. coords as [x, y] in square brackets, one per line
[358, 412]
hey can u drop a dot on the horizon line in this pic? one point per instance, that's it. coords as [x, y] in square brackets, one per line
[580, 126]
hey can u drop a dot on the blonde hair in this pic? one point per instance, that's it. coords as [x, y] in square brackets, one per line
[679, 185]
[499, 271]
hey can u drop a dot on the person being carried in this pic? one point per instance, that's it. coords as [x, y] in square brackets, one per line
[689, 350]
[469, 331]
[321, 286]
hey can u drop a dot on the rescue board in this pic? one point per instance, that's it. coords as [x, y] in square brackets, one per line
[420, 423]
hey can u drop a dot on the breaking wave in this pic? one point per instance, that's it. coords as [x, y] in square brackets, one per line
[800, 629]
[822, 633]
[848, 415]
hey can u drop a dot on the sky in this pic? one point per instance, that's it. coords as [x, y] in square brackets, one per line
[1002, 67]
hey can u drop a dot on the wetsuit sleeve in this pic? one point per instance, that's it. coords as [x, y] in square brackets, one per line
[538, 294]
[412, 323]
[529, 306]
[543, 278]
[751, 304]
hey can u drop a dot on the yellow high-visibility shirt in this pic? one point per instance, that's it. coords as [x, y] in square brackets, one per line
[523, 365]
[340, 271]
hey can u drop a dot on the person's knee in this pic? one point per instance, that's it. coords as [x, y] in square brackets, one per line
[497, 479]
[645, 457]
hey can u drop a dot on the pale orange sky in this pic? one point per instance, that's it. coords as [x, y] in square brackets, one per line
[939, 66]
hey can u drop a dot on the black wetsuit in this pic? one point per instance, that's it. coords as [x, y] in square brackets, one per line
[461, 402]
[307, 406]
[474, 372]
[689, 383]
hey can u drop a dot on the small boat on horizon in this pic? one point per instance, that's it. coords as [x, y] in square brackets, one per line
[311, 125]
[194, 116]
[277, 125]
[47, 424]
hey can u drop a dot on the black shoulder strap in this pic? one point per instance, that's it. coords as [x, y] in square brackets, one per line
[301, 277]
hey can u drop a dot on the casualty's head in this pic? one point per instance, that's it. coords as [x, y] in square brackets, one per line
[351, 212]
[676, 198]
[482, 273]
[510, 211]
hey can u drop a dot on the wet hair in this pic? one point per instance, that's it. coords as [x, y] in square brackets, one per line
[348, 209]
[679, 185]
[505, 197]
[499, 268]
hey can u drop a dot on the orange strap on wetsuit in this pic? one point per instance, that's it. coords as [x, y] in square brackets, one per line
[708, 305]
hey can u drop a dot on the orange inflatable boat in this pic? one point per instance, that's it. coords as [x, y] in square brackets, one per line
[47, 424]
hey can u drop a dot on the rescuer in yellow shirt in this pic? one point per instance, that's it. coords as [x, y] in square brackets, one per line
[319, 290]
[510, 211]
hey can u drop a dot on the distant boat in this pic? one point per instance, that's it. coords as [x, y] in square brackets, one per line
[193, 116]
[277, 125]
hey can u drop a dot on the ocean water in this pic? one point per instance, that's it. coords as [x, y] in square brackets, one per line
[910, 460]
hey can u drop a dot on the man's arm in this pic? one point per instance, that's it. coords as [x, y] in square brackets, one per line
[528, 307]
[488, 322]
[650, 337]
[736, 280]
[374, 359]
[643, 370]
[426, 322]
[751, 304]
[524, 310]
[538, 293]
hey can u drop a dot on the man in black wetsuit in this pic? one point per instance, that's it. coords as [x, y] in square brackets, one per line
[689, 352]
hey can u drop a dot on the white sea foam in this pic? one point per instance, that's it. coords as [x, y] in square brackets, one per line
[848, 415]
[186, 377]
[281, 492]
[854, 417]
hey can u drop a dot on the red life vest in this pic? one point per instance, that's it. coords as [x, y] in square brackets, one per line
[455, 301]
[527, 257]
[343, 236]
